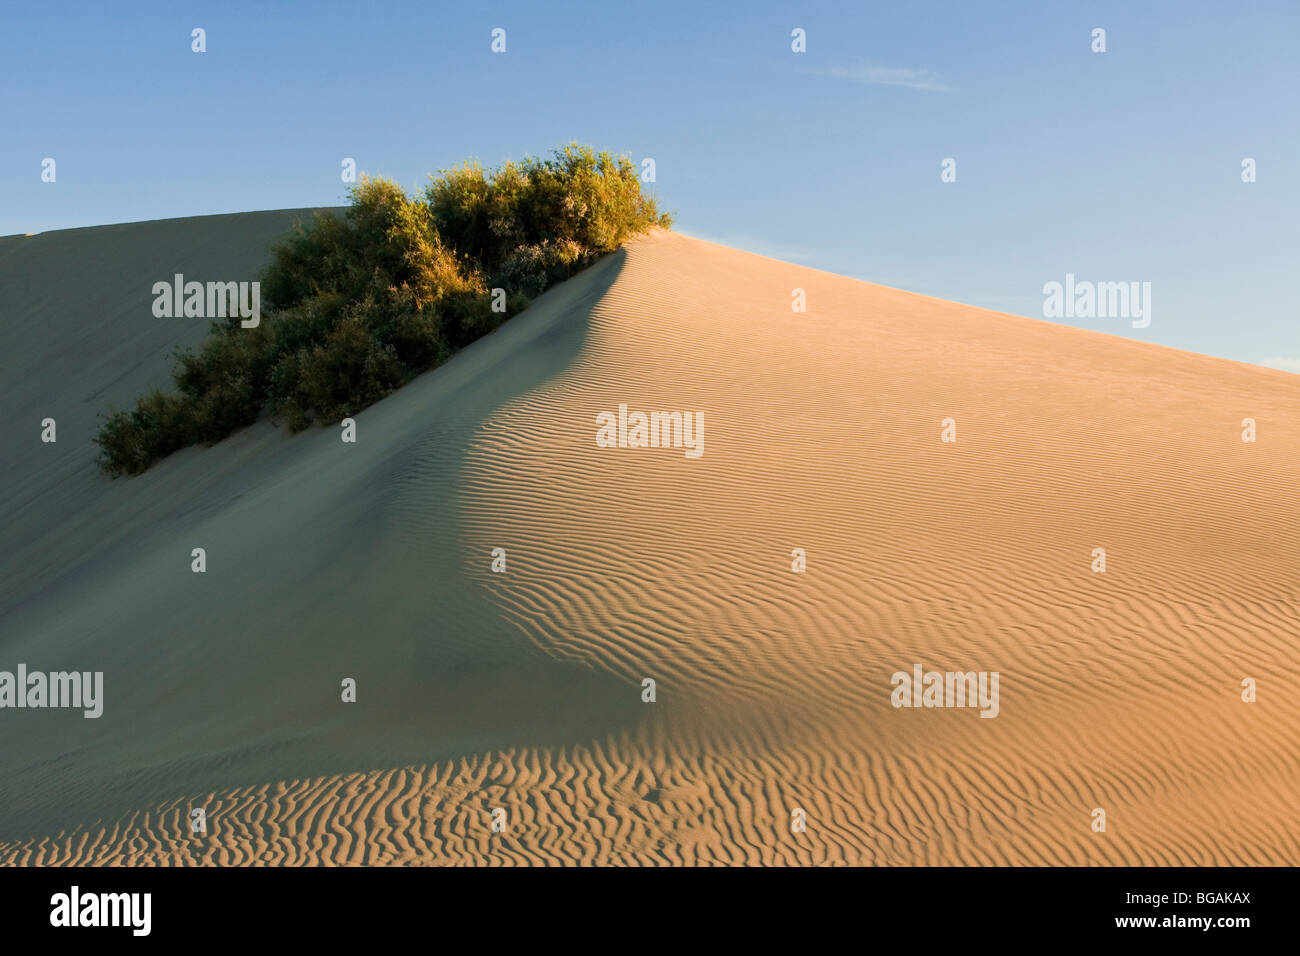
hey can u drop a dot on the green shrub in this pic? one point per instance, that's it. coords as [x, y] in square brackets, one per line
[530, 270]
[350, 370]
[132, 441]
[580, 197]
[356, 305]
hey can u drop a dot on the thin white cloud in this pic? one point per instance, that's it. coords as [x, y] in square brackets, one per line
[927, 80]
[1285, 364]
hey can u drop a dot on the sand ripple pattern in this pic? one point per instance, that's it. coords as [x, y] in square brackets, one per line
[822, 432]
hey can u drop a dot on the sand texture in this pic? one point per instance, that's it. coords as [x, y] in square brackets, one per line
[522, 690]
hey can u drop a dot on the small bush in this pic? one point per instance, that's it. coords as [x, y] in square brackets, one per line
[132, 441]
[357, 305]
[350, 370]
[532, 269]
[580, 197]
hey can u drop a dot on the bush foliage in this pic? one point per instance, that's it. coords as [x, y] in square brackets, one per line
[359, 304]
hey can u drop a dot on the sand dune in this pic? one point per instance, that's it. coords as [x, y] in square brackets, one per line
[522, 690]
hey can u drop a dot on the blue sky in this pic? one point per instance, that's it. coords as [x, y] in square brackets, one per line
[1120, 166]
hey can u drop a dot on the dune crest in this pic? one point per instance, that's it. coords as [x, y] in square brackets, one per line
[523, 690]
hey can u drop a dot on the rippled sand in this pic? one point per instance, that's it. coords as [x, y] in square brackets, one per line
[523, 690]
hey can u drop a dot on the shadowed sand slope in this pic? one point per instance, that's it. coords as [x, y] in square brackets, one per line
[522, 690]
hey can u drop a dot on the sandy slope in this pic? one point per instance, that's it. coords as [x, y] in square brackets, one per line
[522, 690]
